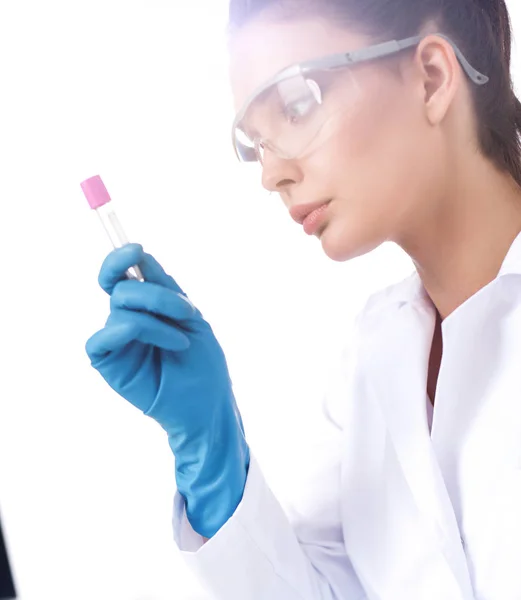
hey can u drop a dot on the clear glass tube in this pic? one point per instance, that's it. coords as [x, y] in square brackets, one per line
[117, 236]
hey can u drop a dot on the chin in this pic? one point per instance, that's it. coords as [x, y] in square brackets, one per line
[345, 245]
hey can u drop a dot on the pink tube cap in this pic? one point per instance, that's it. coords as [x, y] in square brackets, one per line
[95, 192]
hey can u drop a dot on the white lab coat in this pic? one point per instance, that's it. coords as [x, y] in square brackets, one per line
[391, 510]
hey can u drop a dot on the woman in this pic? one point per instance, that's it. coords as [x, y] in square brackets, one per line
[397, 119]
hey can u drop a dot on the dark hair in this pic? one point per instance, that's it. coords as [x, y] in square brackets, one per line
[480, 28]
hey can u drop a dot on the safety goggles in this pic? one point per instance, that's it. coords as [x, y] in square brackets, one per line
[291, 106]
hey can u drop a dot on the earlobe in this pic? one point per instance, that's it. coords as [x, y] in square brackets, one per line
[440, 73]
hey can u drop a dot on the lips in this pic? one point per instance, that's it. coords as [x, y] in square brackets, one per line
[301, 211]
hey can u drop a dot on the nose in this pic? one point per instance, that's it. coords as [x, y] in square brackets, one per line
[279, 174]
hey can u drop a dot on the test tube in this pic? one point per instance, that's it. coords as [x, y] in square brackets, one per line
[100, 201]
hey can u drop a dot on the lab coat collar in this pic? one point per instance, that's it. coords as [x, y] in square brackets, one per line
[512, 262]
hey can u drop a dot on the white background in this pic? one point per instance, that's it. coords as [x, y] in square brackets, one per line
[137, 91]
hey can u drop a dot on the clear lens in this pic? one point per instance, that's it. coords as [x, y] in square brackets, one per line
[288, 116]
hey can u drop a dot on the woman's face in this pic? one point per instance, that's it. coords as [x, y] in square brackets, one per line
[378, 159]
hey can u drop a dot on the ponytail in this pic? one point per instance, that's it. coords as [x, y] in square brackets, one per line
[504, 127]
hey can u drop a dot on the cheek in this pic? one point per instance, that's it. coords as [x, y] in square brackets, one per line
[378, 138]
[375, 154]
[373, 166]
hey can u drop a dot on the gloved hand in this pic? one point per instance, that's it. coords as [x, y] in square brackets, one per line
[158, 352]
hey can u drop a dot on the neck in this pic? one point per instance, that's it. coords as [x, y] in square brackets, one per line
[460, 247]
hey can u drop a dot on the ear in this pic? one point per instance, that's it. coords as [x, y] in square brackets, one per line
[440, 74]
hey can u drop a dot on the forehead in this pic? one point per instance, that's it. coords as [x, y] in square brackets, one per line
[265, 46]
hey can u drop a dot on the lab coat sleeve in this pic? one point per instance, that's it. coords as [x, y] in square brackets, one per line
[267, 552]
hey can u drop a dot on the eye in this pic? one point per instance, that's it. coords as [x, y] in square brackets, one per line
[297, 110]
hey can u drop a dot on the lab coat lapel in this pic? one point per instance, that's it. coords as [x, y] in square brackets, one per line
[398, 360]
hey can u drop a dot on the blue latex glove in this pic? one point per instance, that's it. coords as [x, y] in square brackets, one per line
[158, 352]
